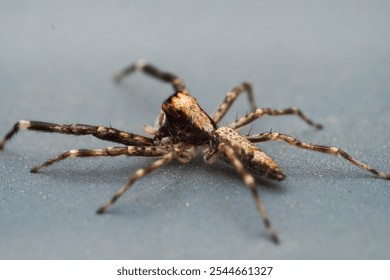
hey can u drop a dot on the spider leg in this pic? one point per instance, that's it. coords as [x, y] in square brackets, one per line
[101, 132]
[231, 96]
[153, 71]
[269, 136]
[136, 176]
[146, 151]
[250, 182]
[258, 113]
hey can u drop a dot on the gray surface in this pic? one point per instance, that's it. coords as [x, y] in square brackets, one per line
[329, 58]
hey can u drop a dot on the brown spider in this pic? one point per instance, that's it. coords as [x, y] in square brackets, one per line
[183, 128]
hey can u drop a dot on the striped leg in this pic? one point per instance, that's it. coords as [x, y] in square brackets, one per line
[136, 176]
[101, 132]
[250, 182]
[153, 71]
[269, 136]
[146, 151]
[258, 113]
[231, 96]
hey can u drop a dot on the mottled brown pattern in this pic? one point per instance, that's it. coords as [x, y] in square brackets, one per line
[184, 128]
[256, 161]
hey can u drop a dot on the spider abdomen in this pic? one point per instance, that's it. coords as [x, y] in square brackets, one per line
[255, 160]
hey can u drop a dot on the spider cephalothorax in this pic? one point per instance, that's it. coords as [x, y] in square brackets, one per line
[185, 121]
[183, 128]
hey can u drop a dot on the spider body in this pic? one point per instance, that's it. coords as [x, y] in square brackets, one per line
[184, 128]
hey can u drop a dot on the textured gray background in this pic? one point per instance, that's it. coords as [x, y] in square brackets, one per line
[330, 58]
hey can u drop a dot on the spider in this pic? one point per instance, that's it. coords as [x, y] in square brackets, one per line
[183, 128]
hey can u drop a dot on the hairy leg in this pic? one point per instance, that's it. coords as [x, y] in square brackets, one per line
[146, 151]
[258, 113]
[153, 71]
[250, 182]
[136, 176]
[270, 136]
[101, 132]
[231, 96]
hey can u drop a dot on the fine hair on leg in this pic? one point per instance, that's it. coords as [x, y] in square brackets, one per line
[260, 112]
[145, 151]
[250, 182]
[231, 96]
[136, 176]
[273, 136]
[101, 132]
[142, 65]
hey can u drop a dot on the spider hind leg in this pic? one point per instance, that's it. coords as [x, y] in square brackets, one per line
[249, 180]
[273, 136]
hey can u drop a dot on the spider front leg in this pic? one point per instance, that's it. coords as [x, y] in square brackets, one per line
[137, 175]
[146, 151]
[101, 132]
[153, 71]
[249, 180]
[258, 113]
[231, 96]
[269, 136]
